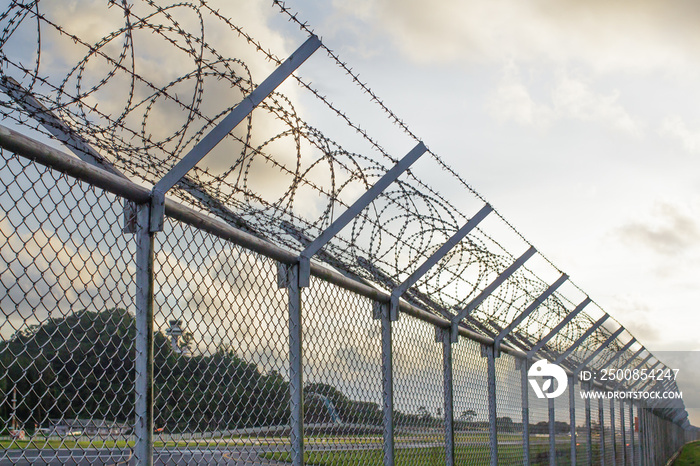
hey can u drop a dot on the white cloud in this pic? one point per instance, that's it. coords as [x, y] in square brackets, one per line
[674, 127]
[670, 231]
[612, 34]
[574, 99]
[570, 98]
[512, 101]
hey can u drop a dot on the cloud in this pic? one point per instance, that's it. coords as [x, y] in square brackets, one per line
[614, 34]
[674, 127]
[672, 231]
[569, 98]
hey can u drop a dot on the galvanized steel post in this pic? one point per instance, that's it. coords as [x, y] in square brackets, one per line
[552, 433]
[388, 385]
[525, 405]
[632, 429]
[623, 432]
[572, 418]
[296, 382]
[488, 351]
[612, 431]
[589, 433]
[445, 335]
[601, 427]
[143, 386]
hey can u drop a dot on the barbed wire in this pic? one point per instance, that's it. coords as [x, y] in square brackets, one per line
[383, 244]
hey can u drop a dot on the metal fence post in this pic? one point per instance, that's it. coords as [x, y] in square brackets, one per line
[632, 428]
[388, 385]
[143, 386]
[623, 432]
[572, 418]
[552, 433]
[525, 401]
[488, 351]
[612, 431]
[640, 447]
[589, 433]
[601, 426]
[445, 336]
[296, 382]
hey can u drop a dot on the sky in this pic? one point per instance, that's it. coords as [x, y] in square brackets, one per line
[576, 121]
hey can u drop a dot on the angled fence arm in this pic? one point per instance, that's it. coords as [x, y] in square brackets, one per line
[632, 358]
[590, 358]
[225, 126]
[644, 382]
[358, 206]
[569, 317]
[620, 352]
[581, 339]
[523, 315]
[473, 304]
[435, 257]
[649, 356]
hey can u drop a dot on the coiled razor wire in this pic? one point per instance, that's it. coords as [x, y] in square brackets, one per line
[105, 94]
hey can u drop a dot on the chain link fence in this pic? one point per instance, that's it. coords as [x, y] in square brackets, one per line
[141, 329]
[221, 370]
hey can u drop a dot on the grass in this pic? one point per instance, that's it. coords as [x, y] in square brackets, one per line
[507, 454]
[689, 456]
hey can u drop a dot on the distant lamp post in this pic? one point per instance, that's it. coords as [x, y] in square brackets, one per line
[175, 332]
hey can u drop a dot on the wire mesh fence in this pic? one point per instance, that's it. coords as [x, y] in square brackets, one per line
[221, 359]
[140, 329]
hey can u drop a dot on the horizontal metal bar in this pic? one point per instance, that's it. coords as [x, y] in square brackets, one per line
[473, 304]
[534, 305]
[581, 339]
[45, 155]
[601, 348]
[569, 317]
[358, 206]
[437, 255]
[238, 114]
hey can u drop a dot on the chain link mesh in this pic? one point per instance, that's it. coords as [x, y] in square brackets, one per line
[221, 357]
[470, 403]
[223, 388]
[66, 340]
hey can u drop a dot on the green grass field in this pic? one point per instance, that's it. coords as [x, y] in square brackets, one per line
[432, 456]
[689, 456]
